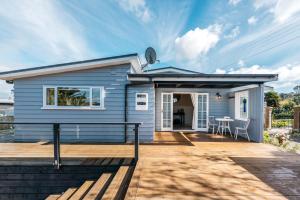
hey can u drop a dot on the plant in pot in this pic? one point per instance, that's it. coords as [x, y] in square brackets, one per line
[281, 137]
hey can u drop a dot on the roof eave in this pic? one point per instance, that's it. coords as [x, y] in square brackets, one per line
[132, 59]
[206, 78]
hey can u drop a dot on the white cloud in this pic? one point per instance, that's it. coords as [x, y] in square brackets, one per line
[197, 42]
[41, 26]
[263, 3]
[282, 9]
[233, 33]
[4, 68]
[220, 71]
[286, 9]
[38, 32]
[5, 90]
[241, 63]
[234, 2]
[137, 7]
[252, 20]
[288, 75]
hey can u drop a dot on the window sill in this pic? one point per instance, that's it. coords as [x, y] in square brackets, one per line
[72, 108]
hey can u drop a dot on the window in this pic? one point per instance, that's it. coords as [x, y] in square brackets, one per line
[141, 101]
[66, 97]
[50, 92]
[241, 105]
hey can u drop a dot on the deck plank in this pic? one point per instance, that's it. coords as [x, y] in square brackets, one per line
[116, 184]
[84, 188]
[67, 194]
[98, 188]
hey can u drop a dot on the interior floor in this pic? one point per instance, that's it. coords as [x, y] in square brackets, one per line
[182, 112]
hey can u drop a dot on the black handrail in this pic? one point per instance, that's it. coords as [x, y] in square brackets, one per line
[80, 123]
[56, 135]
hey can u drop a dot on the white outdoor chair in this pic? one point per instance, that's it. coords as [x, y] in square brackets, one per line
[242, 130]
[212, 123]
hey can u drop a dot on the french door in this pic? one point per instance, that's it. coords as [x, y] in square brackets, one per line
[167, 111]
[202, 115]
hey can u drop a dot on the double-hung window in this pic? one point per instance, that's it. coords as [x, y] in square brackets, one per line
[73, 97]
[141, 101]
[242, 105]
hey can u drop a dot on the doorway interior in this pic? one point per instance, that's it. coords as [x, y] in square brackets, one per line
[183, 110]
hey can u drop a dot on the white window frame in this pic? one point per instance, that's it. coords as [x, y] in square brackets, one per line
[237, 98]
[55, 106]
[141, 107]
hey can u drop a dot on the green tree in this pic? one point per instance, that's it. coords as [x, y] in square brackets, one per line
[296, 99]
[272, 99]
[288, 106]
[297, 89]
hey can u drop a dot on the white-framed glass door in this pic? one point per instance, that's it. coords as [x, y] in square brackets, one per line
[202, 115]
[167, 111]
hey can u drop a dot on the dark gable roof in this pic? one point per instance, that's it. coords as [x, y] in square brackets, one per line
[171, 67]
[68, 63]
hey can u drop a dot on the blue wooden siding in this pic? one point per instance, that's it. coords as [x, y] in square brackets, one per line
[29, 100]
[256, 109]
[256, 113]
[146, 117]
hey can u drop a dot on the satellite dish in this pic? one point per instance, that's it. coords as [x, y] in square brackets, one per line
[150, 55]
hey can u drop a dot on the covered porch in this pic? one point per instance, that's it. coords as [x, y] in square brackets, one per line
[195, 109]
[185, 102]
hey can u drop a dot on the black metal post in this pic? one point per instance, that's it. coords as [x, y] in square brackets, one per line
[56, 142]
[136, 142]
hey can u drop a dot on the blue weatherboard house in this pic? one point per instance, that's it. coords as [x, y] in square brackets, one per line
[117, 89]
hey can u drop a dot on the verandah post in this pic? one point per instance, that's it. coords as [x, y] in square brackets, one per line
[56, 144]
[136, 142]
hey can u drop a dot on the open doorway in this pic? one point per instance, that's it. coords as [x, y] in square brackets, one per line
[183, 110]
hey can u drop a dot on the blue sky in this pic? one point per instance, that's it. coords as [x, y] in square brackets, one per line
[214, 36]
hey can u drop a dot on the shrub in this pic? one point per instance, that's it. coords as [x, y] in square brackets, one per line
[280, 123]
[267, 137]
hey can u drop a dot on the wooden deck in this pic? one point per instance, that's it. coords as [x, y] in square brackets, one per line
[174, 166]
[214, 167]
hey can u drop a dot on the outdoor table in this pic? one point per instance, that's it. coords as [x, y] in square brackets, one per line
[224, 124]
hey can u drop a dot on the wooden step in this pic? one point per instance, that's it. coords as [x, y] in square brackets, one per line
[67, 194]
[99, 187]
[53, 197]
[84, 188]
[115, 186]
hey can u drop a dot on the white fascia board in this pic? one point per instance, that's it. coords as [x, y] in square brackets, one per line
[133, 60]
[136, 64]
[143, 79]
